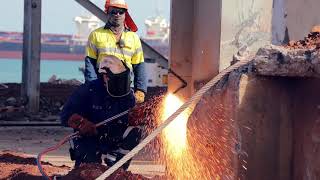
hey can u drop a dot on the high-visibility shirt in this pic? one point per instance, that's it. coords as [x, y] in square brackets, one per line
[102, 42]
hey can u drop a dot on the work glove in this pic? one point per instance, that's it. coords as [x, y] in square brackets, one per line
[82, 124]
[139, 95]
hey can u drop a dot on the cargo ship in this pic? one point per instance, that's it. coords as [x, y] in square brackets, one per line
[72, 47]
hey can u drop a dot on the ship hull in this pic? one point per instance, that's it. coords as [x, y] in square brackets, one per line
[53, 47]
[59, 47]
[46, 56]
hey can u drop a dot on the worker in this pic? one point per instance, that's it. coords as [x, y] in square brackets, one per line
[96, 101]
[117, 38]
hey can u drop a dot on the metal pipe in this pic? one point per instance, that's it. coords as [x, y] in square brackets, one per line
[184, 83]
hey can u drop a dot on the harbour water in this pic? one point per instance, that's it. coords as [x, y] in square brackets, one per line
[11, 70]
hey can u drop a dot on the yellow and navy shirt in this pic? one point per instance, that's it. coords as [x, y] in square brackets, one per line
[102, 42]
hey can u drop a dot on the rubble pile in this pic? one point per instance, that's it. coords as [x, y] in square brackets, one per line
[92, 171]
[312, 41]
[297, 59]
[15, 166]
[54, 80]
[52, 98]
[18, 166]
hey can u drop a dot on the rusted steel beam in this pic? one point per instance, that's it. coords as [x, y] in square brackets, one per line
[30, 88]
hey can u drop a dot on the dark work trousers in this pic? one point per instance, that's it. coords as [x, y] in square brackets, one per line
[114, 142]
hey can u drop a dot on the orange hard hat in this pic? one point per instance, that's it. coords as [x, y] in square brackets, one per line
[129, 23]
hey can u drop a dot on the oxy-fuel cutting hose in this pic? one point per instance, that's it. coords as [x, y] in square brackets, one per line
[66, 139]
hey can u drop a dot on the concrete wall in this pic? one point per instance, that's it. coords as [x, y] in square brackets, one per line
[244, 23]
[306, 132]
[258, 127]
[213, 134]
[280, 127]
[264, 118]
[301, 17]
[293, 19]
[241, 129]
[256, 22]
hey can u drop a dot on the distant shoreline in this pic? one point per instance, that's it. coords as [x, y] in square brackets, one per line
[44, 56]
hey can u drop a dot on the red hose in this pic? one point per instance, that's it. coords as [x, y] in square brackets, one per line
[67, 138]
[60, 143]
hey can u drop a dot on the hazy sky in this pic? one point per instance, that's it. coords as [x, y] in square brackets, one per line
[57, 15]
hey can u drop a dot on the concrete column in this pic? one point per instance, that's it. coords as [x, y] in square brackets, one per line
[278, 22]
[181, 45]
[195, 42]
[206, 41]
[293, 19]
[30, 88]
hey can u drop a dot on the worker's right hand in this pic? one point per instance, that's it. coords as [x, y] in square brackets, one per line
[82, 124]
[139, 95]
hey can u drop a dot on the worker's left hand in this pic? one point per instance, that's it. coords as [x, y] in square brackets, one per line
[83, 125]
[87, 128]
[139, 95]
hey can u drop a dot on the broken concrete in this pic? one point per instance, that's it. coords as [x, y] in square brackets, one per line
[297, 59]
[281, 61]
[312, 41]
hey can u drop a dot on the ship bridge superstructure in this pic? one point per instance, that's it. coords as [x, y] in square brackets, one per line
[84, 25]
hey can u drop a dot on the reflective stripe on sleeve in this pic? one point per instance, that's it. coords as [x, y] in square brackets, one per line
[92, 46]
[138, 50]
[115, 50]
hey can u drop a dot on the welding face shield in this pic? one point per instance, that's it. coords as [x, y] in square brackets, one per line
[116, 76]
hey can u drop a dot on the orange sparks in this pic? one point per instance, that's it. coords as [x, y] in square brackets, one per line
[200, 149]
[178, 160]
[176, 133]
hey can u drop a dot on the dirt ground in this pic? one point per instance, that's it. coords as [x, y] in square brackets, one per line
[16, 166]
[311, 41]
[32, 140]
[20, 145]
[20, 166]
